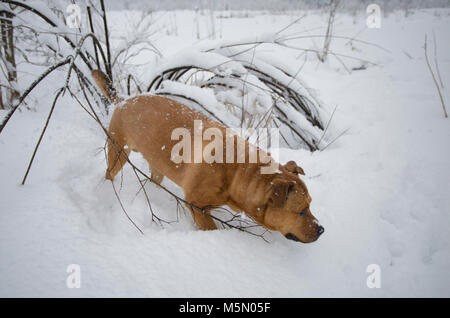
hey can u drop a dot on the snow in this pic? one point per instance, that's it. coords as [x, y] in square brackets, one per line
[203, 60]
[380, 190]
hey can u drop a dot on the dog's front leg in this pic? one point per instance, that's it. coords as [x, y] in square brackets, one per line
[117, 157]
[201, 218]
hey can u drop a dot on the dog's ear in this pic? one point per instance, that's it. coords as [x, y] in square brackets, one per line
[279, 192]
[291, 166]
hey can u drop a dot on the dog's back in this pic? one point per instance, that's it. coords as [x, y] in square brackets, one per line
[148, 123]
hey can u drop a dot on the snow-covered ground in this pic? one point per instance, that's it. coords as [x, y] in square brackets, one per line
[381, 190]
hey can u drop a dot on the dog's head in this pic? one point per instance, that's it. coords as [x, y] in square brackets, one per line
[287, 206]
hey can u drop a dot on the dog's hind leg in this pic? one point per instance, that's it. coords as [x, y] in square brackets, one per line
[118, 147]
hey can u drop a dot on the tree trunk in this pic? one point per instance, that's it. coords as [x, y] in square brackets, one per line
[1, 87]
[7, 31]
[1, 99]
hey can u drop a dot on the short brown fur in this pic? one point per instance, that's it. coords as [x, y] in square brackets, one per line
[145, 124]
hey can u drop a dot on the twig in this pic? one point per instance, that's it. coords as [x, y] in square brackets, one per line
[123, 209]
[91, 26]
[434, 78]
[61, 90]
[436, 60]
[326, 128]
[328, 36]
[129, 78]
[334, 37]
[108, 49]
[291, 24]
[147, 198]
[330, 143]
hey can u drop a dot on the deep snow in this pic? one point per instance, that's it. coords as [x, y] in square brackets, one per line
[381, 190]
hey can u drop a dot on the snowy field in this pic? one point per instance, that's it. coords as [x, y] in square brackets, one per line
[381, 190]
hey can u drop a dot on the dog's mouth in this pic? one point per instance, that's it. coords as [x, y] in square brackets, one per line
[292, 237]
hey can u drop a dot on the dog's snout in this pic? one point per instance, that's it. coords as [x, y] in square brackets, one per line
[320, 230]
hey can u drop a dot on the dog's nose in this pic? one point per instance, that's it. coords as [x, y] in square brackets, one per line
[320, 230]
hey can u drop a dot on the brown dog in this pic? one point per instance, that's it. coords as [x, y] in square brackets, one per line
[278, 201]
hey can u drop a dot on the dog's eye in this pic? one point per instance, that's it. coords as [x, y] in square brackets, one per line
[303, 212]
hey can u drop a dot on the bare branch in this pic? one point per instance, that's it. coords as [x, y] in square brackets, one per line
[29, 89]
[60, 91]
[434, 79]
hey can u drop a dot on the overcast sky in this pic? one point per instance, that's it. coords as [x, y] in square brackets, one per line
[268, 4]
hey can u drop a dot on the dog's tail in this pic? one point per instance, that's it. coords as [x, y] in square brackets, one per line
[105, 86]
